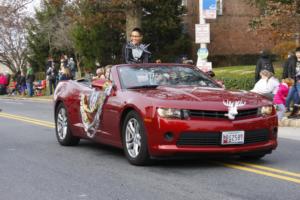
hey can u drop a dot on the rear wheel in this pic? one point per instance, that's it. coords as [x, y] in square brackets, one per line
[63, 133]
[134, 140]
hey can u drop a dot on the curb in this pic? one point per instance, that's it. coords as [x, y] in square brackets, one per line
[27, 98]
[285, 122]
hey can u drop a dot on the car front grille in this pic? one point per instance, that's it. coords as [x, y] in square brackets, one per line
[214, 138]
[222, 114]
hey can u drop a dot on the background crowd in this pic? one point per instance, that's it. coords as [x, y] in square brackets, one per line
[67, 71]
[284, 93]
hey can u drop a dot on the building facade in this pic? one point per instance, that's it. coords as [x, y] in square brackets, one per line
[232, 40]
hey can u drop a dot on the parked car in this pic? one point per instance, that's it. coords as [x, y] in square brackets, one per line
[164, 110]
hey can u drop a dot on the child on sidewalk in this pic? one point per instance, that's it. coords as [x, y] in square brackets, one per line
[280, 96]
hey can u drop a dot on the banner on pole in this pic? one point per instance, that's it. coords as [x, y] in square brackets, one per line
[210, 9]
[202, 53]
[202, 33]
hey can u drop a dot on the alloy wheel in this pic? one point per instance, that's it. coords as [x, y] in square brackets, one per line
[62, 124]
[133, 137]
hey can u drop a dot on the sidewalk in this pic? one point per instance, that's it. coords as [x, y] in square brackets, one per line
[289, 123]
[289, 133]
[34, 98]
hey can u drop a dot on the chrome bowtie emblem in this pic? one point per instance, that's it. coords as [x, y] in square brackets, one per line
[232, 108]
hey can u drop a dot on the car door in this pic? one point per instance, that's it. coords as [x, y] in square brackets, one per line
[110, 118]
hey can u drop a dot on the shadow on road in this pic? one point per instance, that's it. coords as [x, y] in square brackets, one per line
[186, 161]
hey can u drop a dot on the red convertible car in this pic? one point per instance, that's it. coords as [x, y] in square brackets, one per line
[161, 110]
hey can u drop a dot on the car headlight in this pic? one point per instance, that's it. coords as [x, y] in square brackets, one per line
[266, 110]
[173, 113]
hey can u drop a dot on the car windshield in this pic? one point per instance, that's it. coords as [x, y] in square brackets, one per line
[154, 76]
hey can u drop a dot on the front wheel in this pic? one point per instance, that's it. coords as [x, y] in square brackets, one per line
[63, 133]
[135, 140]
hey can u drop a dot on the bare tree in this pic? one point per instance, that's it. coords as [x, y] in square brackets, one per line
[13, 34]
[9, 7]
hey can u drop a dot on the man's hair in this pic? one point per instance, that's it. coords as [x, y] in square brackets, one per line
[136, 29]
[297, 49]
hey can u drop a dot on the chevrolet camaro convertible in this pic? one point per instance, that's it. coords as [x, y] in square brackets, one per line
[164, 110]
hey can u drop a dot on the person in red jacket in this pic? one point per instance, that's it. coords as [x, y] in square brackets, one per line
[280, 96]
[3, 83]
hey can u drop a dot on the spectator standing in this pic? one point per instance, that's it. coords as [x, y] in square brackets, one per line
[52, 77]
[134, 51]
[22, 83]
[17, 79]
[30, 77]
[66, 74]
[263, 63]
[293, 71]
[291, 56]
[65, 61]
[49, 63]
[3, 83]
[60, 71]
[72, 67]
[8, 76]
[267, 85]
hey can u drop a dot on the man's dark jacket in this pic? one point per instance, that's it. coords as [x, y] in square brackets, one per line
[289, 68]
[263, 63]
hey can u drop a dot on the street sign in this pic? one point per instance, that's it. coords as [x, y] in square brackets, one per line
[202, 33]
[210, 9]
[202, 53]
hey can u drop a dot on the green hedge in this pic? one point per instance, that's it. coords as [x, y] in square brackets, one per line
[241, 77]
[238, 83]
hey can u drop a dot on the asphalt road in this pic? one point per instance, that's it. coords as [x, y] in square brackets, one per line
[34, 166]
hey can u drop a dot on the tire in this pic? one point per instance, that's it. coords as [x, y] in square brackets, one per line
[64, 135]
[134, 140]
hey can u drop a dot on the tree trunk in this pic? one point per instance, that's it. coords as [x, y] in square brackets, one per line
[133, 18]
[78, 61]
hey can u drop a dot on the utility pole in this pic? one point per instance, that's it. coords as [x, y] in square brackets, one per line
[202, 21]
[203, 32]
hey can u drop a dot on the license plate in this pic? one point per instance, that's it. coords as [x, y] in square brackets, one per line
[233, 137]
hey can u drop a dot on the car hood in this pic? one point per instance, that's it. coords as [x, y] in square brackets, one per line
[201, 98]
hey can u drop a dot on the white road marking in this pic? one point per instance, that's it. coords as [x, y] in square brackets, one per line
[83, 196]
